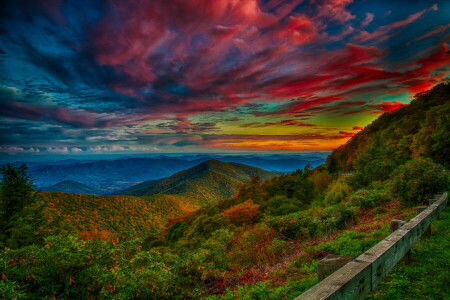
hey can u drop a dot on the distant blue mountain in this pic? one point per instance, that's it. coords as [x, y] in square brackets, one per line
[108, 176]
[69, 186]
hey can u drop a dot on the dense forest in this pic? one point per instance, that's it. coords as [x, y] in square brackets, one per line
[263, 242]
[418, 129]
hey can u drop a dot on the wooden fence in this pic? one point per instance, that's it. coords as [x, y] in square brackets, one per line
[361, 275]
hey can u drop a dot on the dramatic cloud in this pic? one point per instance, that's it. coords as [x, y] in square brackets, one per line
[384, 32]
[210, 74]
[390, 106]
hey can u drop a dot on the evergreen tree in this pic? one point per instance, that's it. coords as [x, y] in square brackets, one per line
[17, 190]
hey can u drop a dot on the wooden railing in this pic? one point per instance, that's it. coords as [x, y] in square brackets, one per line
[360, 276]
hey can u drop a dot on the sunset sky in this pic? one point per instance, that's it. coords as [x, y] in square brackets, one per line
[161, 76]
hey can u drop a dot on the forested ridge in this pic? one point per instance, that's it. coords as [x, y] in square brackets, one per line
[418, 129]
[208, 181]
[263, 242]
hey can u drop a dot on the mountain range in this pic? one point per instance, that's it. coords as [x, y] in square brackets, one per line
[109, 176]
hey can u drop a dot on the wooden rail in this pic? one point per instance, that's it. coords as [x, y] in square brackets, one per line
[361, 275]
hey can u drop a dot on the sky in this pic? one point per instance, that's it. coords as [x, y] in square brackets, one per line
[173, 76]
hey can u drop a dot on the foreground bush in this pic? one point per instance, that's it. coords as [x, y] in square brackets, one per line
[246, 212]
[369, 198]
[68, 268]
[417, 180]
[337, 192]
[259, 245]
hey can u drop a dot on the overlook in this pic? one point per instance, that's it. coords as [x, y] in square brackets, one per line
[224, 149]
[231, 230]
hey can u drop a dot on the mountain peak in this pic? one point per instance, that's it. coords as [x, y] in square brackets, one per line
[208, 181]
[212, 163]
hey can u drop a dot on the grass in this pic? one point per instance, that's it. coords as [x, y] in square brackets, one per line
[428, 276]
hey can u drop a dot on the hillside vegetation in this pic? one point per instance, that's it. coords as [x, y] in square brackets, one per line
[124, 216]
[264, 242]
[418, 129]
[209, 181]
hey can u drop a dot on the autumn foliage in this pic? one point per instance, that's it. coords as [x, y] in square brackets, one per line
[94, 233]
[244, 213]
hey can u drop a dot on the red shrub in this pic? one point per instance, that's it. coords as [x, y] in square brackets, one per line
[244, 213]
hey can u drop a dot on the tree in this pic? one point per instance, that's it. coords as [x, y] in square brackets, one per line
[254, 190]
[332, 164]
[377, 161]
[418, 180]
[17, 190]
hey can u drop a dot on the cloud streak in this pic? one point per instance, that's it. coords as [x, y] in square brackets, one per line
[181, 74]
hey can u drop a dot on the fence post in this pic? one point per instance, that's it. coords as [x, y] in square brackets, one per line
[428, 230]
[433, 200]
[396, 224]
[330, 264]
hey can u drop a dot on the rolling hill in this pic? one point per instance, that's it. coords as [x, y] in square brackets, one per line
[69, 186]
[208, 181]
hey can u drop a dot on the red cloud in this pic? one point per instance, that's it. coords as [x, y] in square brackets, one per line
[230, 52]
[357, 128]
[335, 10]
[434, 60]
[390, 106]
[422, 77]
[300, 29]
[345, 134]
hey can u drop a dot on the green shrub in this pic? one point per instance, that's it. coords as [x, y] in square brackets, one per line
[417, 180]
[11, 290]
[281, 205]
[259, 245]
[322, 179]
[336, 192]
[205, 225]
[350, 243]
[348, 214]
[295, 225]
[369, 198]
[210, 259]
[176, 231]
